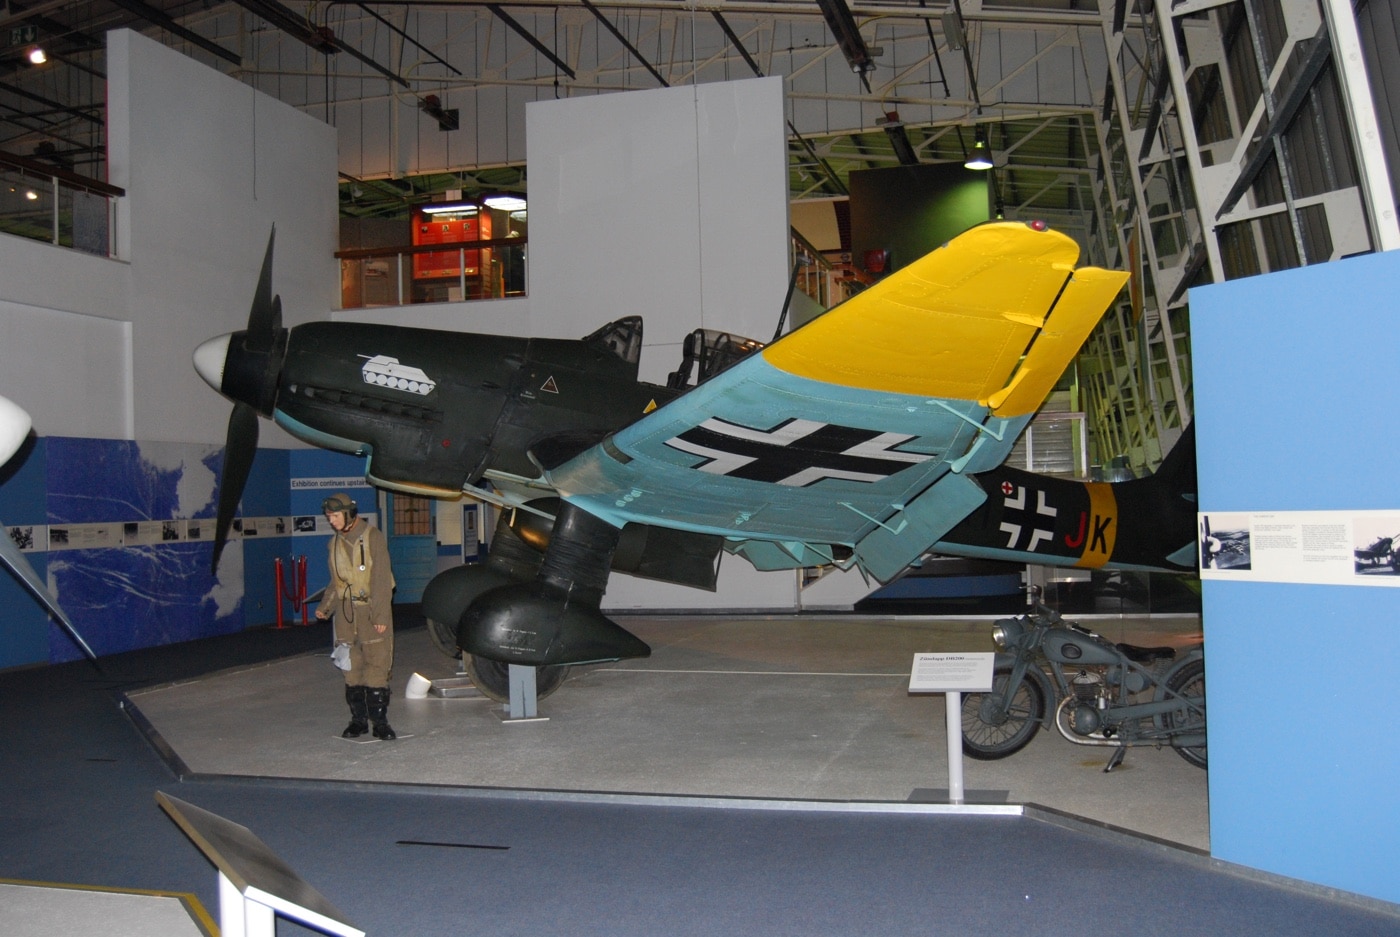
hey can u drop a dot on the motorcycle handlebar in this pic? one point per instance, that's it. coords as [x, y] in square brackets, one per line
[1038, 607]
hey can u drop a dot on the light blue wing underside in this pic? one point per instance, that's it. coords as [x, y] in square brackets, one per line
[759, 454]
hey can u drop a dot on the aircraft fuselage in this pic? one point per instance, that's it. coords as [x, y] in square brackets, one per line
[435, 411]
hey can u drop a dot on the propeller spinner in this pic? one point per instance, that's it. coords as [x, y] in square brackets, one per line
[244, 367]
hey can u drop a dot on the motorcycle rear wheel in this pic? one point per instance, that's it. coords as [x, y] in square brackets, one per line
[988, 731]
[1189, 681]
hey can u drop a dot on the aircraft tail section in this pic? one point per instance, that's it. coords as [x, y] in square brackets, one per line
[1177, 473]
[1146, 523]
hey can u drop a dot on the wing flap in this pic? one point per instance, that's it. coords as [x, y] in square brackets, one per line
[1076, 312]
[889, 548]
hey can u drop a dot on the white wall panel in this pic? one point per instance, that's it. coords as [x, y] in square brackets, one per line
[465, 144]
[71, 372]
[743, 206]
[209, 167]
[38, 274]
[670, 204]
[614, 219]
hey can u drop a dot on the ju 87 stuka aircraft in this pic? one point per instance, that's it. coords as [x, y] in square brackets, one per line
[866, 438]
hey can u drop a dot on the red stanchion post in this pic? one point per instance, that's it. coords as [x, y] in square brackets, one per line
[301, 587]
[278, 589]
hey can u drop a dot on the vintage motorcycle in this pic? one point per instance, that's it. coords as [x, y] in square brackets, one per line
[1095, 693]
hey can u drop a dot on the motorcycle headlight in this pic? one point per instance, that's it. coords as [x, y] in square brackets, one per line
[1007, 630]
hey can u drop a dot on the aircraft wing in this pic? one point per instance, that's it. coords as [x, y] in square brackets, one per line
[859, 430]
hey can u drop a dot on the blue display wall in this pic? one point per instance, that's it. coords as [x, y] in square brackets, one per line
[1294, 377]
[24, 628]
[123, 532]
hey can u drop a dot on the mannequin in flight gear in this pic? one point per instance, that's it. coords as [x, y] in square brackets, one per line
[360, 597]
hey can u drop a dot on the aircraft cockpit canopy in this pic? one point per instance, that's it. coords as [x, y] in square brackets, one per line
[622, 338]
[713, 351]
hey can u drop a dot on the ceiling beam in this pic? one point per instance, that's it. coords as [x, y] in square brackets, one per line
[159, 18]
[734, 41]
[530, 37]
[416, 44]
[320, 38]
[626, 43]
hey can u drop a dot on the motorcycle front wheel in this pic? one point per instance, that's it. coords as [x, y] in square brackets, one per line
[991, 730]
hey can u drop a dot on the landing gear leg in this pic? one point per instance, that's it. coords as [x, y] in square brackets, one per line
[522, 692]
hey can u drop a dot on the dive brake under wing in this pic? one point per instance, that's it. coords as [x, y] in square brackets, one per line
[855, 435]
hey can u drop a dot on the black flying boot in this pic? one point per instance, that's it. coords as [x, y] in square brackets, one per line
[359, 714]
[378, 701]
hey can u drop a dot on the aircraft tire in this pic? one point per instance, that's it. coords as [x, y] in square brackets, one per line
[444, 638]
[492, 677]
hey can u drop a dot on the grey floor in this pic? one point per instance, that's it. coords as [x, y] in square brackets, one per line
[42, 911]
[777, 708]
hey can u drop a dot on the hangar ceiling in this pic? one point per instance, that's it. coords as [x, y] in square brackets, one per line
[1027, 73]
[1189, 140]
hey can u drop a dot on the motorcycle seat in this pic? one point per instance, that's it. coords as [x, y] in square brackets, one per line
[1146, 655]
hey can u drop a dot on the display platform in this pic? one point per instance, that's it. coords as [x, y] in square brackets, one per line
[41, 909]
[786, 708]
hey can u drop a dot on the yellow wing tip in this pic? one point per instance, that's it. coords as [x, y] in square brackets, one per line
[984, 295]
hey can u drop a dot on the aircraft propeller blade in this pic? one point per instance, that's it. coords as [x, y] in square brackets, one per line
[265, 318]
[240, 446]
[251, 384]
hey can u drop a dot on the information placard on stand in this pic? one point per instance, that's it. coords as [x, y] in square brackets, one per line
[951, 674]
[255, 884]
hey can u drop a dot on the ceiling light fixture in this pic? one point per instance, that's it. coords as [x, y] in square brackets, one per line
[981, 156]
[505, 202]
[36, 55]
[451, 208]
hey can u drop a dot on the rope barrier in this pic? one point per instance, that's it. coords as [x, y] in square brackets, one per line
[295, 593]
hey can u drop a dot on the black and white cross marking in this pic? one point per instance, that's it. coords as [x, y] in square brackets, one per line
[796, 452]
[1018, 517]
